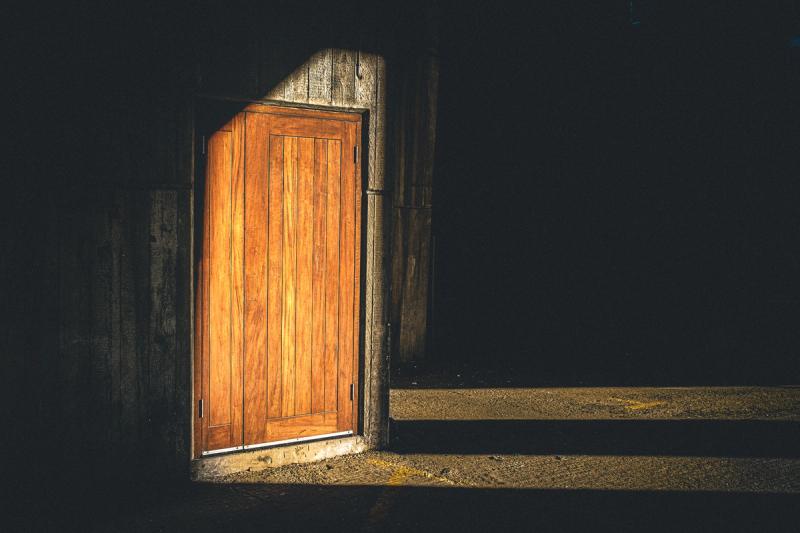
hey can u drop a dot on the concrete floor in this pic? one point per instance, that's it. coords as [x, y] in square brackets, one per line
[553, 459]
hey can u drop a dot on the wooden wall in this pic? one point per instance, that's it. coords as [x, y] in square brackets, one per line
[98, 227]
[412, 206]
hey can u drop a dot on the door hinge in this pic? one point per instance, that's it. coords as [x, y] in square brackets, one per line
[352, 391]
[355, 154]
[200, 409]
[203, 145]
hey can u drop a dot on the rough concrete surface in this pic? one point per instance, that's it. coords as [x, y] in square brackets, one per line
[621, 459]
[718, 403]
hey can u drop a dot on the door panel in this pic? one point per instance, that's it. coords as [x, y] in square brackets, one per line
[221, 372]
[278, 320]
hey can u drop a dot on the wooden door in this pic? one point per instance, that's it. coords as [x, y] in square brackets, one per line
[279, 279]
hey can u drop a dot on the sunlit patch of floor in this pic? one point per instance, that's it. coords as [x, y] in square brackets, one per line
[594, 403]
[562, 469]
[542, 472]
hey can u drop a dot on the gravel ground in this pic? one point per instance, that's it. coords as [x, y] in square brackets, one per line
[567, 470]
[585, 403]
[543, 472]
[521, 459]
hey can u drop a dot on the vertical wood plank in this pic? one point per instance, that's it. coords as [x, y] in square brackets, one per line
[199, 350]
[277, 91]
[377, 127]
[379, 351]
[305, 235]
[163, 244]
[332, 214]
[296, 85]
[415, 144]
[237, 276]
[343, 77]
[182, 416]
[346, 280]
[412, 320]
[288, 330]
[256, 231]
[320, 77]
[183, 353]
[205, 355]
[219, 274]
[356, 138]
[140, 257]
[318, 278]
[128, 371]
[365, 96]
[275, 278]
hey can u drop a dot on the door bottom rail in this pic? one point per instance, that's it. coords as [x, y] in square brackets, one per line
[277, 443]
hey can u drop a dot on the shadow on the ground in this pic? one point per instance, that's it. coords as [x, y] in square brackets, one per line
[713, 438]
[244, 507]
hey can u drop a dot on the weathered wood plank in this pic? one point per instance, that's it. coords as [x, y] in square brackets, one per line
[377, 380]
[276, 91]
[320, 77]
[129, 355]
[141, 282]
[343, 76]
[182, 415]
[364, 96]
[377, 127]
[415, 143]
[163, 245]
[414, 281]
[296, 85]
[200, 343]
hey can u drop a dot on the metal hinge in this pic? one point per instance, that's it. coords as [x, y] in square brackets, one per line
[352, 391]
[203, 145]
[200, 408]
[355, 154]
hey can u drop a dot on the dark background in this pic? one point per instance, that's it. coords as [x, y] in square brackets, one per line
[616, 192]
[615, 198]
[613, 202]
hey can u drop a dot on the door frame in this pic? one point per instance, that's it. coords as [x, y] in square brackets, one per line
[207, 108]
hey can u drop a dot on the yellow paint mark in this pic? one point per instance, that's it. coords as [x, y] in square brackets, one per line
[635, 405]
[400, 473]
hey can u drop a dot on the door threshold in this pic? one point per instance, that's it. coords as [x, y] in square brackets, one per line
[211, 466]
[278, 443]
